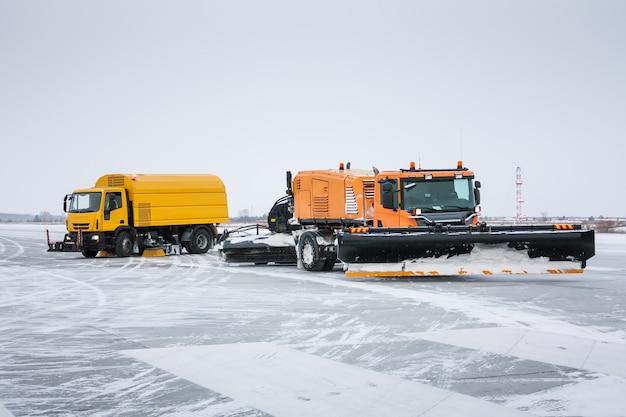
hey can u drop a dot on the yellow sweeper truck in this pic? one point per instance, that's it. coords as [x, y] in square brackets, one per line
[124, 214]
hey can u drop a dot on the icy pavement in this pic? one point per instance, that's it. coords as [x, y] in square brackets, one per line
[191, 336]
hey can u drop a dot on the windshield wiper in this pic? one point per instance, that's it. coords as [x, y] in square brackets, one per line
[459, 208]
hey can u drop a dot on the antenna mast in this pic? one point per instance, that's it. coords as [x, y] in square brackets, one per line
[518, 192]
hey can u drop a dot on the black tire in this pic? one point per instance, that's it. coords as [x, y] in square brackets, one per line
[89, 253]
[329, 264]
[309, 252]
[141, 246]
[124, 244]
[201, 240]
[187, 246]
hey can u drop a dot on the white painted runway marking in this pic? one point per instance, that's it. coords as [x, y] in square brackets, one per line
[285, 382]
[557, 349]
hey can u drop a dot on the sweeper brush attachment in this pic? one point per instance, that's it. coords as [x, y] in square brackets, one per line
[465, 250]
[257, 244]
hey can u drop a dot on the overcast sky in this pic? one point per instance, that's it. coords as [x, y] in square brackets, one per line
[249, 89]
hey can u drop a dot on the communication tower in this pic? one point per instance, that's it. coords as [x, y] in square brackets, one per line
[518, 192]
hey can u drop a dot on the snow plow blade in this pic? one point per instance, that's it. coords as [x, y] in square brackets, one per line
[67, 245]
[463, 250]
[240, 247]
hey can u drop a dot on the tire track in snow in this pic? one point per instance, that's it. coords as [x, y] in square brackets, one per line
[3, 249]
[101, 300]
[485, 310]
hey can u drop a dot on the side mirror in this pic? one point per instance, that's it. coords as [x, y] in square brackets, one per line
[66, 200]
[388, 195]
[477, 192]
[289, 179]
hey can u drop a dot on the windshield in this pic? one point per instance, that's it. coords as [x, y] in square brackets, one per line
[85, 202]
[449, 194]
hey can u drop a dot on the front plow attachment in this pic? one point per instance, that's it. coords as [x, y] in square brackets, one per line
[462, 250]
[66, 245]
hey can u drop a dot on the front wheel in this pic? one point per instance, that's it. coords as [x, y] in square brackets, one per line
[89, 253]
[124, 244]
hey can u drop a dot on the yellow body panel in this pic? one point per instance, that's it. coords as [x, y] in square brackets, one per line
[157, 200]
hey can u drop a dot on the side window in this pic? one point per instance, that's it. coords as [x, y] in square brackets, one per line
[113, 201]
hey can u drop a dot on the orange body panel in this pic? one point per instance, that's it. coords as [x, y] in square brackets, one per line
[334, 194]
[402, 217]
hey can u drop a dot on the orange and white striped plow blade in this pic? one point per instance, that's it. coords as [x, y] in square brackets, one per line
[388, 271]
[483, 260]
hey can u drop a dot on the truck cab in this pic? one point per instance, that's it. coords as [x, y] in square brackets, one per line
[426, 197]
[93, 212]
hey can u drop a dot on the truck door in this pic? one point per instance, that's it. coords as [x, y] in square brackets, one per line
[387, 209]
[115, 211]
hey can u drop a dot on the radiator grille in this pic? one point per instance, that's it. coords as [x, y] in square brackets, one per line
[144, 210]
[368, 189]
[320, 206]
[351, 206]
[116, 180]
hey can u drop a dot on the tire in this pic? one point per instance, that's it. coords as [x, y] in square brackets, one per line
[309, 252]
[329, 264]
[187, 246]
[89, 253]
[124, 244]
[201, 240]
[141, 246]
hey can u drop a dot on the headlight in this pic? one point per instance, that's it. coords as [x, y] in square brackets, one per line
[95, 238]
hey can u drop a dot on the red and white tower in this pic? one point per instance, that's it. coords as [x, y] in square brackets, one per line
[518, 192]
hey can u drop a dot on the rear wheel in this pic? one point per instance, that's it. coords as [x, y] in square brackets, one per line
[309, 252]
[201, 241]
[124, 244]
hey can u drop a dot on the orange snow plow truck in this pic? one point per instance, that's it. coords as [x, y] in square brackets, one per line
[126, 214]
[407, 222]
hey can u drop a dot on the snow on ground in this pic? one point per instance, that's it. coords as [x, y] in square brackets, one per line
[189, 335]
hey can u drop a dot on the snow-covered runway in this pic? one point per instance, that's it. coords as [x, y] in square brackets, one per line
[191, 336]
